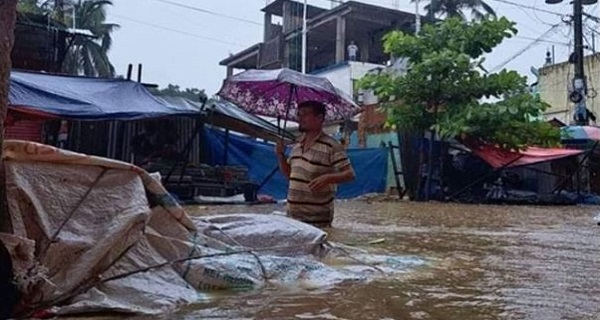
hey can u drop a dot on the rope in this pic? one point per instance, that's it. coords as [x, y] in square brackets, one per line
[220, 254]
[99, 280]
[260, 264]
[81, 289]
[195, 243]
[72, 213]
[349, 255]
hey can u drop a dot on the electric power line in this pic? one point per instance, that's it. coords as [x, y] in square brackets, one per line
[545, 41]
[589, 16]
[529, 46]
[530, 7]
[208, 12]
[177, 31]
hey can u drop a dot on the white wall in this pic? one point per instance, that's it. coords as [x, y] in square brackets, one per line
[360, 69]
[555, 81]
[339, 76]
[344, 75]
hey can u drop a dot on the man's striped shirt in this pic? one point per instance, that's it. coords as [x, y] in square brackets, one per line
[326, 155]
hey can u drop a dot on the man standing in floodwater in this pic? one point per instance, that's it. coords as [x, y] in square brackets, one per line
[317, 164]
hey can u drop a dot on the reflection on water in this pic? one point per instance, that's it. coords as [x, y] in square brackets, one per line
[487, 263]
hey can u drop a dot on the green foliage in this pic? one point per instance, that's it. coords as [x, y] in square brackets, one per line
[30, 7]
[507, 123]
[444, 86]
[458, 8]
[171, 90]
[88, 55]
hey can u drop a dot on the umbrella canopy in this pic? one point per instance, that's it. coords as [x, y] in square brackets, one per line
[277, 93]
[580, 133]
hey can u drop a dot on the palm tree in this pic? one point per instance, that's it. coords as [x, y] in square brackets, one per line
[457, 8]
[88, 55]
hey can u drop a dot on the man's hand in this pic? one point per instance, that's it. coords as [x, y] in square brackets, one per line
[346, 175]
[320, 183]
[284, 166]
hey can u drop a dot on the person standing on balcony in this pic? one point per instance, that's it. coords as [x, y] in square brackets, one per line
[317, 164]
[352, 51]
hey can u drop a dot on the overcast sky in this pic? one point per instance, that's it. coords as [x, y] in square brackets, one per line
[184, 46]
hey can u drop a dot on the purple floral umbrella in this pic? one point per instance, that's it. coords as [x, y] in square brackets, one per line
[277, 93]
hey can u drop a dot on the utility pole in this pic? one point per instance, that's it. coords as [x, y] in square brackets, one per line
[431, 13]
[74, 10]
[304, 34]
[579, 89]
[578, 30]
[417, 17]
[579, 83]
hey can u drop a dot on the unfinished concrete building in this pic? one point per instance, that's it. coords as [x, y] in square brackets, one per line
[330, 32]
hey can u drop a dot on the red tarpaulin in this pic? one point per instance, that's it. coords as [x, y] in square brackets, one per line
[499, 158]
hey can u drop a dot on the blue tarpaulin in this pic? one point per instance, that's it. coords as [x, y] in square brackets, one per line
[370, 165]
[83, 98]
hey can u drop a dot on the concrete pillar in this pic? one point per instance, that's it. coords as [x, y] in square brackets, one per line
[229, 71]
[268, 28]
[288, 23]
[287, 51]
[363, 46]
[340, 40]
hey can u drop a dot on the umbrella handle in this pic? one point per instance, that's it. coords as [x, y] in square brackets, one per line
[279, 127]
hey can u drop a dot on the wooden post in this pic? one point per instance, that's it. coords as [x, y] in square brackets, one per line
[139, 75]
[395, 169]
[226, 149]
[8, 15]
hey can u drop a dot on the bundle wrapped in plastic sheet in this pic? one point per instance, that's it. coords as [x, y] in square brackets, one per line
[97, 235]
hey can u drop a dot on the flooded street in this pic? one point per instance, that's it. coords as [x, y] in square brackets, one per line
[486, 263]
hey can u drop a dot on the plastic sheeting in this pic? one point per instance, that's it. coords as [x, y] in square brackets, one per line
[370, 165]
[96, 235]
[499, 158]
[82, 98]
[226, 115]
[574, 133]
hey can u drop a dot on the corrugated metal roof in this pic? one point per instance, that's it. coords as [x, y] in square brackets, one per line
[25, 130]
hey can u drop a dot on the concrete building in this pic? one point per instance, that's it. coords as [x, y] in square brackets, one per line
[330, 32]
[555, 80]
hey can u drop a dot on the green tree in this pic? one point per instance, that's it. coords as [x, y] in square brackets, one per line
[446, 83]
[88, 55]
[30, 6]
[458, 8]
[172, 90]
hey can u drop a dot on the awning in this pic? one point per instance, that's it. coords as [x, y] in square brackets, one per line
[226, 115]
[42, 95]
[572, 133]
[499, 158]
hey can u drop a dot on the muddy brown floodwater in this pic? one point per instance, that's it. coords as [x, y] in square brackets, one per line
[489, 262]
